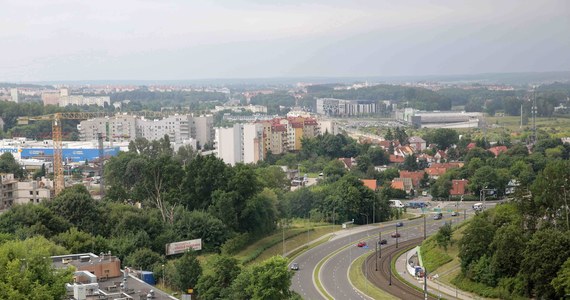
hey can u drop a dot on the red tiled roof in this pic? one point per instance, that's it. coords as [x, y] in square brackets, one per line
[396, 159]
[398, 185]
[498, 150]
[370, 183]
[458, 187]
[416, 177]
[435, 171]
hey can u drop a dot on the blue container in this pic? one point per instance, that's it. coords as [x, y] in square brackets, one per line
[148, 277]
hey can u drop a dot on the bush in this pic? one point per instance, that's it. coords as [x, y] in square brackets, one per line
[235, 244]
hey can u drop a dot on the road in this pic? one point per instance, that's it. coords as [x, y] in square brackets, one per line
[333, 275]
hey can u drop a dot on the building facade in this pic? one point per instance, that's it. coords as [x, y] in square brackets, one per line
[14, 192]
[345, 108]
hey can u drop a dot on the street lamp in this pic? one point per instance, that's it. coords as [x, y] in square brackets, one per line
[163, 275]
[396, 235]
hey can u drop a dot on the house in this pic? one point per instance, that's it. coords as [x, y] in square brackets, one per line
[405, 185]
[458, 187]
[435, 172]
[370, 183]
[498, 150]
[440, 156]
[416, 177]
[396, 159]
[384, 144]
[348, 162]
[512, 186]
[417, 143]
[403, 151]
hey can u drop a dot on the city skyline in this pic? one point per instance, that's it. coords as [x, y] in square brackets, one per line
[181, 40]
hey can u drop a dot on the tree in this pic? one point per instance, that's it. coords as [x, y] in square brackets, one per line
[76, 205]
[198, 224]
[76, 241]
[269, 280]
[8, 164]
[546, 251]
[27, 271]
[144, 259]
[508, 244]
[442, 137]
[443, 236]
[389, 136]
[410, 163]
[562, 282]
[187, 271]
[29, 220]
[475, 242]
[216, 282]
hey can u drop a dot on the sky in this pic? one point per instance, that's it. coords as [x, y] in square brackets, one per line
[47, 40]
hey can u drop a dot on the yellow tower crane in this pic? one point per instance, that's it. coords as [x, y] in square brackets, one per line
[57, 135]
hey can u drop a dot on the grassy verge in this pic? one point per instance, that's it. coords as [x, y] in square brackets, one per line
[273, 244]
[482, 290]
[359, 280]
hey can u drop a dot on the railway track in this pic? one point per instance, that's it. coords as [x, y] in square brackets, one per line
[381, 278]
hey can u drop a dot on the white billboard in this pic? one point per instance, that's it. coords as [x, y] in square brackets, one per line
[181, 247]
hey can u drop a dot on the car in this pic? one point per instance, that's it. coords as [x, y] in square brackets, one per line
[395, 235]
[454, 214]
[438, 216]
[361, 244]
[383, 242]
[400, 224]
[295, 266]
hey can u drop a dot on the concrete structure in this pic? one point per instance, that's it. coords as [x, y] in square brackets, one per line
[440, 119]
[345, 108]
[14, 192]
[229, 144]
[84, 100]
[14, 95]
[51, 97]
[328, 126]
[1, 124]
[101, 277]
[252, 143]
[417, 143]
[181, 129]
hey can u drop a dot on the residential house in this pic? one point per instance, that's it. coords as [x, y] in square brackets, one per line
[498, 150]
[405, 185]
[404, 151]
[440, 156]
[396, 159]
[416, 177]
[370, 183]
[417, 143]
[434, 172]
[348, 162]
[458, 187]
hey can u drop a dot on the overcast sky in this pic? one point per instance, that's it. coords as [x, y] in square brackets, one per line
[188, 39]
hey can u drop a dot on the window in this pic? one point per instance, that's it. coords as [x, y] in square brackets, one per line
[31, 192]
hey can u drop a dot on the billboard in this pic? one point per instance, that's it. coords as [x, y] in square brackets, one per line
[181, 247]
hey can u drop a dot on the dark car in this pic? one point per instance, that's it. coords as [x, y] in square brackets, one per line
[383, 242]
[295, 266]
[361, 244]
[399, 224]
[395, 235]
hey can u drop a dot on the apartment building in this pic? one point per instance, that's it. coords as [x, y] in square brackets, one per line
[124, 128]
[14, 192]
[240, 143]
[345, 108]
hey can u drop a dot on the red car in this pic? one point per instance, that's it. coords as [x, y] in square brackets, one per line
[395, 235]
[361, 244]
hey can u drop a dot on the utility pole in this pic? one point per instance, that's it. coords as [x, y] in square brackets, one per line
[390, 267]
[396, 236]
[425, 232]
[376, 255]
[425, 285]
[380, 239]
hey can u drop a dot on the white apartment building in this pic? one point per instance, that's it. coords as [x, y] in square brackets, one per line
[229, 144]
[240, 143]
[84, 100]
[14, 95]
[181, 129]
[340, 107]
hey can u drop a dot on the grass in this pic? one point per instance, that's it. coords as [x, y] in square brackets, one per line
[359, 280]
[272, 245]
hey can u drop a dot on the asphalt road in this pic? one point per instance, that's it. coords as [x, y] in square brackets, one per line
[334, 276]
[334, 272]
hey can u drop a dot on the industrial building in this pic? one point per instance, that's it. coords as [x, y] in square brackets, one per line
[14, 192]
[440, 119]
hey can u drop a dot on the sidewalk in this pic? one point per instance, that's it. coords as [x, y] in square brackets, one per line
[435, 287]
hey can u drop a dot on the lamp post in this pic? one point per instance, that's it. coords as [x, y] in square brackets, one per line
[380, 239]
[283, 231]
[396, 235]
[163, 275]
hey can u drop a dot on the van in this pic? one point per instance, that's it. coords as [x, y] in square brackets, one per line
[396, 204]
[478, 206]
